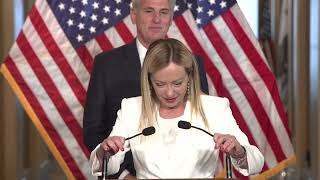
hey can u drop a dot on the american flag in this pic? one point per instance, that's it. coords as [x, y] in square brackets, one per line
[50, 62]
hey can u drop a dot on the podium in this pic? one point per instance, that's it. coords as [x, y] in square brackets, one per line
[100, 178]
[228, 171]
[227, 160]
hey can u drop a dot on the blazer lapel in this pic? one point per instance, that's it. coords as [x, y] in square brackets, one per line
[132, 61]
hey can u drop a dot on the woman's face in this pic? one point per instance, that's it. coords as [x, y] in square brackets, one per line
[170, 86]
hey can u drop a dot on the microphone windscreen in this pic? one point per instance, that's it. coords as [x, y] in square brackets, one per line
[148, 131]
[184, 125]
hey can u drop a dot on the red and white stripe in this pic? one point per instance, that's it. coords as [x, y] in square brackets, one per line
[261, 94]
[47, 72]
[253, 105]
[34, 86]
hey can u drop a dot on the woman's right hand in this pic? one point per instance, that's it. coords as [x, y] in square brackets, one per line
[112, 145]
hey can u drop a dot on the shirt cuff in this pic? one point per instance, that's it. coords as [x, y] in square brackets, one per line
[124, 174]
[240, 162]
[95, 163]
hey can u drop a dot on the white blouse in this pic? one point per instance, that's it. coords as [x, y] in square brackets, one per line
[173, 152]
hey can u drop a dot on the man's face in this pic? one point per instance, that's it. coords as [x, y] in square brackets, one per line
[153, 19]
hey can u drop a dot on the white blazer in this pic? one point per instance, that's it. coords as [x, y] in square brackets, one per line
[173, 152]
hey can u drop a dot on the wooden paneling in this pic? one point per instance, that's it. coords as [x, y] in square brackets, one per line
[7, 101]
[1, 97]
[315, 88]
[299, 78]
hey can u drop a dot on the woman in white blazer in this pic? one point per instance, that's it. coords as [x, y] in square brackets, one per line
[171, 92]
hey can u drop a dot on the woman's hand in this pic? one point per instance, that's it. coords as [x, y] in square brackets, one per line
[229, 144]
[111, 145]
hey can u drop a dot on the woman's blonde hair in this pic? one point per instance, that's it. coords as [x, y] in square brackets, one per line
[160, 53]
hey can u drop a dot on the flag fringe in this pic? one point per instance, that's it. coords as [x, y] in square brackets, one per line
[267, 174]
[222, 174]
[277, 169]
[34, 118]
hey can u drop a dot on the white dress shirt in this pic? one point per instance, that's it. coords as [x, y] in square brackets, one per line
[173, 152]
[142, 51]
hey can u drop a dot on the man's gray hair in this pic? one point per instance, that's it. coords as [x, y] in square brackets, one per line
[136, 4]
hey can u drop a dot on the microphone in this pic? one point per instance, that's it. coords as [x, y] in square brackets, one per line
[146, 132]
[187, 125]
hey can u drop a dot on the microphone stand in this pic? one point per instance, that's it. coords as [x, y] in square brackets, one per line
[105, 160]
[228, 166]
[146, 132]
[187, 125]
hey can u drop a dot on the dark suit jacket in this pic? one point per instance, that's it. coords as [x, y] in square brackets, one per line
[115, 75]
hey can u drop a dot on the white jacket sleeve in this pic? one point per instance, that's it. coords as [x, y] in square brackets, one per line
[119, 129]
[254, 156]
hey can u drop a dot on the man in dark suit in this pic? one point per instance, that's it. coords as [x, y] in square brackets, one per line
[116, 74]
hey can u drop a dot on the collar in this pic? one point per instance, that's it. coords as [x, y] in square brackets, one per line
[141, 51]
